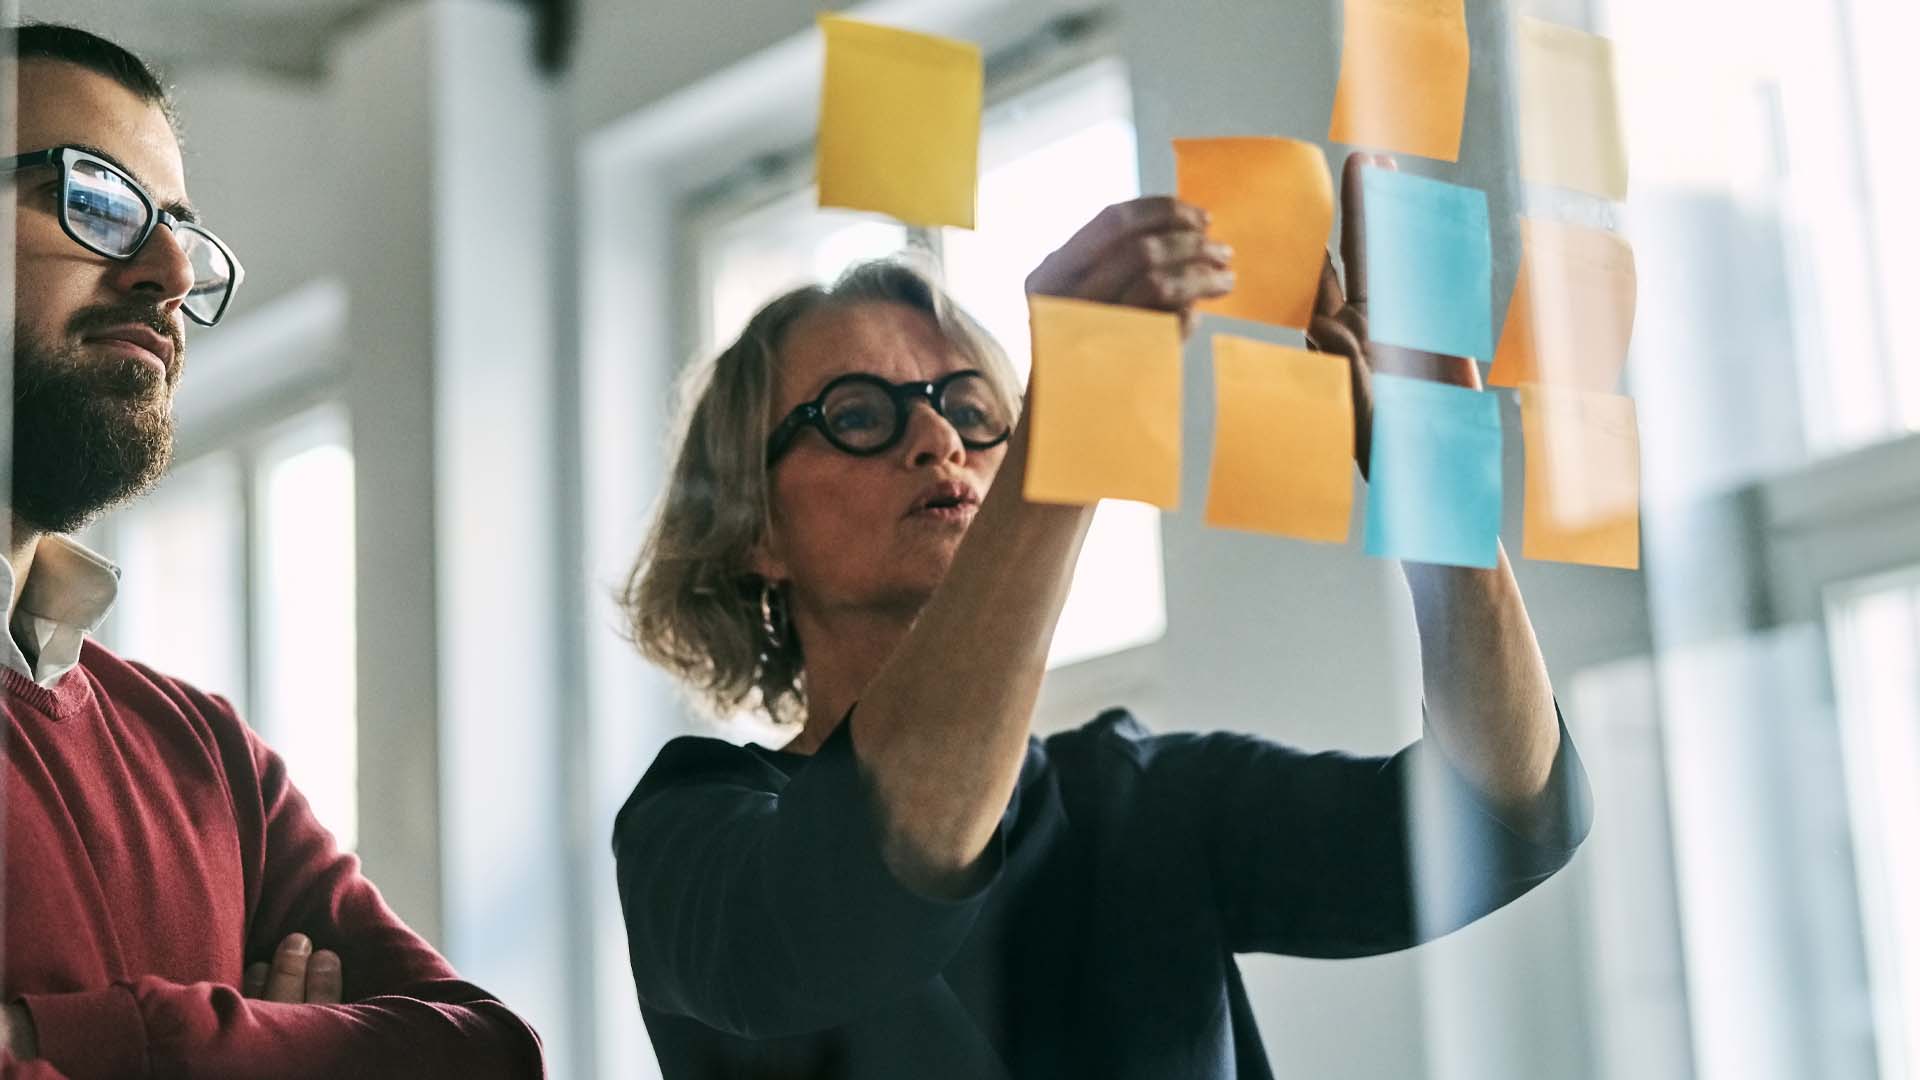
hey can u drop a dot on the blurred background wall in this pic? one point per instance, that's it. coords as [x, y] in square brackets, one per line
[481, 243]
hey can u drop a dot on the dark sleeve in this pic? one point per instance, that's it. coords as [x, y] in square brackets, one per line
[1331, 855]
[763, 908]
[408, 1014]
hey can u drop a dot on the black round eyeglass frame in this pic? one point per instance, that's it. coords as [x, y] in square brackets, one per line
[903, 395]
[64, 157]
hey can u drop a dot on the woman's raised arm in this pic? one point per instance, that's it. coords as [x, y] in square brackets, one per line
[941, 731]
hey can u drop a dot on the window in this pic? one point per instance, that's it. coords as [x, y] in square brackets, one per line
[237, 576]
[304, 641]
[186, 539]
[1053, 156]
[1784, 148]
[1874, 636]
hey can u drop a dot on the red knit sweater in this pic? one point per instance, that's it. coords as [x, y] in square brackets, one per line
[154, 848]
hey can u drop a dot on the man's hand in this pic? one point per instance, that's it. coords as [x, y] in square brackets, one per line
[297, 976]
[17, 1035]
[1339, 324]
[1151, 252]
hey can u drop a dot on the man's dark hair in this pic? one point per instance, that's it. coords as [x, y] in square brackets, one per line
[72, 45]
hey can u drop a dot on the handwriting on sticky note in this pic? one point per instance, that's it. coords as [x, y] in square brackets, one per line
[1429, 264]
[1571, 317]
[1583, 477]
[1272, 202]
[899, 123]
[1106, 404]
[1434, 481]
[1570, 131]
[1403, 77]
[1282, 441]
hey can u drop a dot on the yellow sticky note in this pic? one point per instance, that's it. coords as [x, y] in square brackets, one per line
[1106, 404]
[1283, 441]
[1272, 201]
[1571, 317]
[1583, 477]
[1403, 77]
[899, 123]
[1570, 133]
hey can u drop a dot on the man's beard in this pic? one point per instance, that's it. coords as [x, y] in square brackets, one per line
[88, 432]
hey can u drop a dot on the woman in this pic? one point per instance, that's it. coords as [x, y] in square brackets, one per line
[913, 886]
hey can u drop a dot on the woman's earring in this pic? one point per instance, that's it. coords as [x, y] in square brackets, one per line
[775, 630]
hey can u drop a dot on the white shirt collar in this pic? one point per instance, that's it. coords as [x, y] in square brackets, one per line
[68, 594]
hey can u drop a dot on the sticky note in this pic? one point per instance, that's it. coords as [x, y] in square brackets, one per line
[1429, 264]
[1272, 201]
[1282, 441]
[1403, 77]
[899, 123]
[1571, 317]
[1570, 132]
[1434, 487]
[1106, 404]
[1583, 477]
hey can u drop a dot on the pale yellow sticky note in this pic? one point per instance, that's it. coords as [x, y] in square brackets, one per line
[899, 123]
[1272, 202]
[1403, 77]
[1282, 442]
[1583, 477]
[1570, 132]
[1571, 317]
[1106, 404]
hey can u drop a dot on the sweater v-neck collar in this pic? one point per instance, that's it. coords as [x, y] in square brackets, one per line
[58, 702]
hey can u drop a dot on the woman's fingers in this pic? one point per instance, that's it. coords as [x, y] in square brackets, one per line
[1329, 334]
[1177, 287]
[1065, 272]
[1330, 298]
[1148, 255]
[1353, 222]
[253, 983]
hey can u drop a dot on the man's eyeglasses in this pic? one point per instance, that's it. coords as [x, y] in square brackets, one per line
[104, 211]
[864, 414]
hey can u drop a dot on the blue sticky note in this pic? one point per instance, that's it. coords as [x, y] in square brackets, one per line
[1434, 479]
[1429, 264]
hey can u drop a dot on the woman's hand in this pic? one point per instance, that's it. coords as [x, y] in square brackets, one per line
[1151, 252]
[1339, 324]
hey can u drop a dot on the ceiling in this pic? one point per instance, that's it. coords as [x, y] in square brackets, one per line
[288, 37]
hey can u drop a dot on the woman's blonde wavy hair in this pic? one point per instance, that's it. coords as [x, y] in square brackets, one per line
[692, 601]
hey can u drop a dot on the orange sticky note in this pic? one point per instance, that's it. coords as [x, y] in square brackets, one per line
[1570, 132]
[1403, 77]
[1272, 201]
[899, 123]
[1571, 318]
[1583, 477]
[1106, 404]
[1282, 442]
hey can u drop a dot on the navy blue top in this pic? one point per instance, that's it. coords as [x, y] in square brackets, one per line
[769, 939]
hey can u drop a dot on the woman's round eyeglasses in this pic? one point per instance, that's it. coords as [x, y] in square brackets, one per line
[104, 211]
[864, 414]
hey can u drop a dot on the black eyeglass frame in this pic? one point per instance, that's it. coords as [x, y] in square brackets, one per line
[903, 395]
[63, 158]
